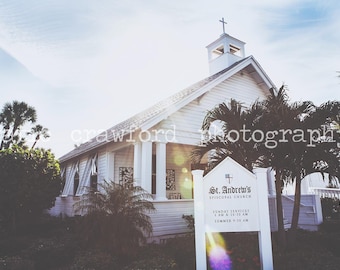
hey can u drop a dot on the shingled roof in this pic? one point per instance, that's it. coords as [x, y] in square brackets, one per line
[139, 119]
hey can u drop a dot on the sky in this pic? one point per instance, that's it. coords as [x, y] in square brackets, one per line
[86, 65]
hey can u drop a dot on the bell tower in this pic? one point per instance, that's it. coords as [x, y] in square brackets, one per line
[224, 51]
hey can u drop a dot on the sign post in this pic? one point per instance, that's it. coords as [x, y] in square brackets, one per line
[231, 199]
[265, 241]
[199, 219]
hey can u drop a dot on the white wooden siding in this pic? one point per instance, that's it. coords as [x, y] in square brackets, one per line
[63, 206]
[187, 121]
[167, 220]
[102, 167]
[110, 166]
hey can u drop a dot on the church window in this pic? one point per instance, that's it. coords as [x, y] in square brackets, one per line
[126, 176]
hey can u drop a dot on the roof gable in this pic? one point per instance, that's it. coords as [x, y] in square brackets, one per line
[161, 110]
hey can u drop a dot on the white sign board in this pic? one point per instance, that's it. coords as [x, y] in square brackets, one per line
[231, 199]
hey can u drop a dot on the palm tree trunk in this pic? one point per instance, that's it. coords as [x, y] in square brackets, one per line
[4, 139]
[35, 142]
[15, 127]
[296, 213]
[279, 210]
[2, 143]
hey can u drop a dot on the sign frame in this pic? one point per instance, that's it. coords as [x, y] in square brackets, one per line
[258, 194]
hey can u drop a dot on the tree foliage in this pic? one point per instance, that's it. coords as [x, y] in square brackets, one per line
[29, 182]
[221, 143]
[13, 118]
[116, 217]
[38, 131]
[309, 144]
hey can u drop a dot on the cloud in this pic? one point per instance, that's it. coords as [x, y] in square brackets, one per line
[298, 44]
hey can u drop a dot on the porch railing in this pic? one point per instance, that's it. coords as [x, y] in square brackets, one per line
[326, 192]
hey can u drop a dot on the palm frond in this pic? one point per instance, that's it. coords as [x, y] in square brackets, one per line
[116, 217]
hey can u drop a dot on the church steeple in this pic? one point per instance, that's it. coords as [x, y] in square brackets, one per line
[224, 51]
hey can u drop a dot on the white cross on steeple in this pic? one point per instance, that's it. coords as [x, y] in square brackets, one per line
[223, 23]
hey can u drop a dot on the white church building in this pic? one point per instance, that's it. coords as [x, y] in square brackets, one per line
[152, 149]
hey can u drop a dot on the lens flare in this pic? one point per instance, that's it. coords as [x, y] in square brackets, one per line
[179, 160]
[217, 252]
[184, 170]
[186, 188]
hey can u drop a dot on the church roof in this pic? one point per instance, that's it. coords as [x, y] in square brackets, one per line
[143, 119]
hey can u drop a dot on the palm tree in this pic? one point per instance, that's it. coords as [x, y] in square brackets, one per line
[116, 217]
[262, 115]
[6, 118]
[227, 118]
[293, 159]
[39, 131]
[12, 117]
[322, 155]
[280, 114]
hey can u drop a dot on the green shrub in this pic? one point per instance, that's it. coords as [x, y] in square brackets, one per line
[330, 226]
[16, 263]
[182, 250]
[51, 252]
[313, 251]
[330, 208]
[331, 242]
[189, 219]
[94, 260]
[29, 183]
[49, 226]
[10, 245]
[243, 250]
[159, 263]
[306, 259]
